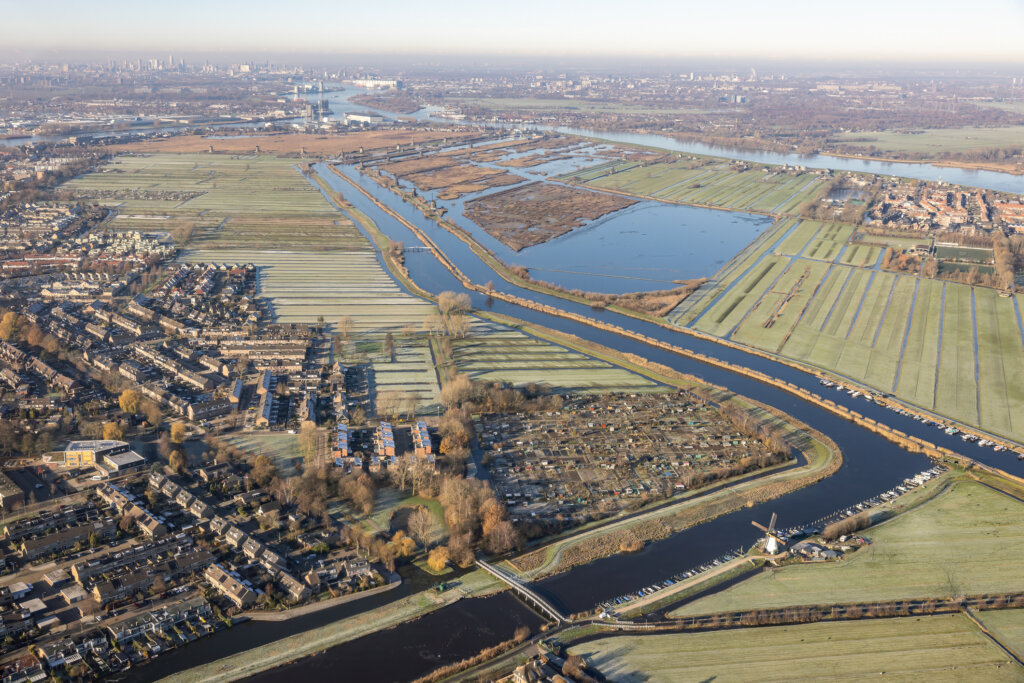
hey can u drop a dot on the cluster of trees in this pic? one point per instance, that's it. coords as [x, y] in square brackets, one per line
[471, 511]
[751, 426]
[1005, 260]
[896, 260]
[132, 403]
[450, 317]
[847, 526]
[387, 552]
[16, 437]
[314, 487]
[394, 403]
[14, 327]
[494, 397]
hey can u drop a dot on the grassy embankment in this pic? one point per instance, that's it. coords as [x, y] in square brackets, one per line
[279, 652]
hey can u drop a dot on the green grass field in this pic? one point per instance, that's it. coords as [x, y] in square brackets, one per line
[934, 648]
[283, 449]
[937, 140]
[707, 182]
[1007, 625]
[391, 500]
[967, 540]
[810, 291]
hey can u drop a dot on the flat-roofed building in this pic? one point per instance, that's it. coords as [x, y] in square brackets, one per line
[88, 453]
[11, 495]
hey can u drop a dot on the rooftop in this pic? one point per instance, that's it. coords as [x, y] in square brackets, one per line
[94, 445]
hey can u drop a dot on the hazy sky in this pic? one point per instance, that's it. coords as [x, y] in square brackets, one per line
[909, 30]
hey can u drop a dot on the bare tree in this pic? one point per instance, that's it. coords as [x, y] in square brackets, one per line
[421, 524]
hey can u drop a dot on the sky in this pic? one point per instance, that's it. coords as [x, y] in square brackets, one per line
[966, 31]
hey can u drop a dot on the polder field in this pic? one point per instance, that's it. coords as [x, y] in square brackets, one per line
[933, 648]
[314, 262]
[305, 284]
[815, 292]
[496, 353]
[229, 201]
[967, 540]
[707, 182]
[936, 140]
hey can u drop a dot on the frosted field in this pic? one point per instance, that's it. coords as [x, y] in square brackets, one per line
[495, 353]
[304, 285]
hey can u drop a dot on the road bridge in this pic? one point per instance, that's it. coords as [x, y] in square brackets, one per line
[524, 592]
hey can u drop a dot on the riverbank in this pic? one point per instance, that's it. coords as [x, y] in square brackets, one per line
[278, 653]
[285, 615]
[945, 163]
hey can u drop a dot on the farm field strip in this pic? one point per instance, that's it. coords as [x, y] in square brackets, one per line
[955, 394]
[730, 309]
[706, 295]
[805, 276]
[1007, 625]
[935, 648]
[798, 240]
[495, 353]
[1001, 361]
[887, 344]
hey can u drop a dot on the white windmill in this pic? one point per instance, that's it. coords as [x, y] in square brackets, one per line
[773, 541]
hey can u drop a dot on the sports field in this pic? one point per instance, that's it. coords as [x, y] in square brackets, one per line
[815, 292]
[708, 182]
[967, 540]
[934, 648]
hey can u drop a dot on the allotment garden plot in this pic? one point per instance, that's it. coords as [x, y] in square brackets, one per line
[599, 454]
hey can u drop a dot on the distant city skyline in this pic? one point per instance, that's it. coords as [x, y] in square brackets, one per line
[985, 31]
